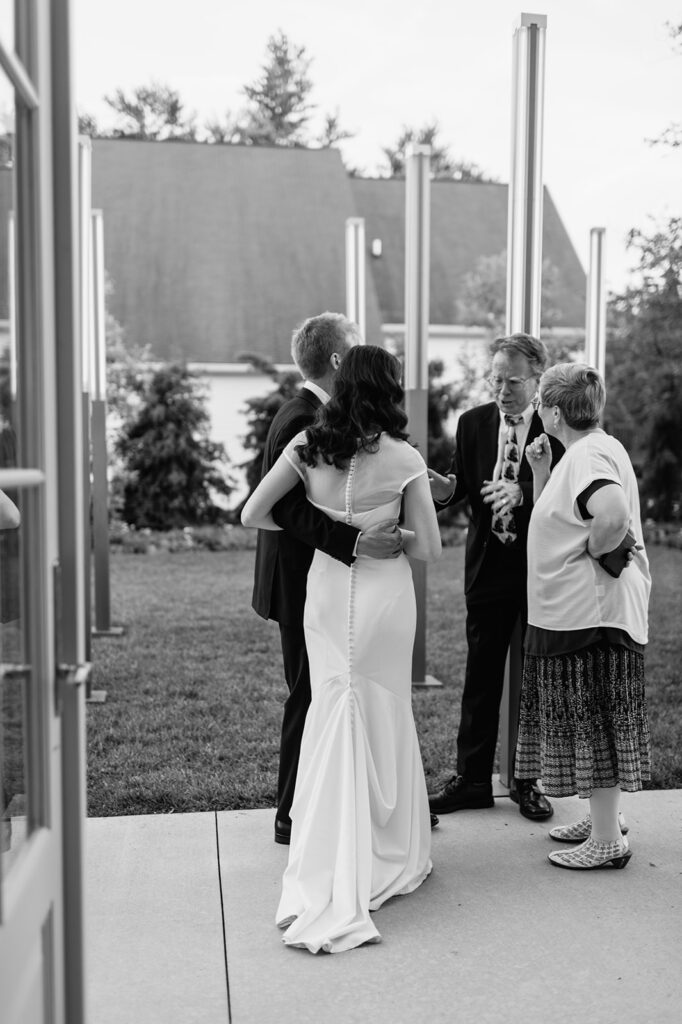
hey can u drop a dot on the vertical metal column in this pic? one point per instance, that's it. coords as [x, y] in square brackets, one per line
[355, 272]
[524, 226]
[524, 276]
[12, 304]
[417, 272]
[595, 318]
[85, 301]
[98, 396]
[72, 598]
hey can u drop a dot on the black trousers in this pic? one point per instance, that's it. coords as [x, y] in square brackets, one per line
[492, 612]
[297, 675]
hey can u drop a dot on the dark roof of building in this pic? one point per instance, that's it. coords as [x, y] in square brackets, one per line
[215, 250]
[468, 221]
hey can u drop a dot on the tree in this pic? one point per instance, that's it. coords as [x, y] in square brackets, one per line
[260, 414]
[129, 370]
[672, 135]
[173, 470]
[87, 125]
[482, 296]
[332, 132]
[279, 100]
[444, 398]
[443, 165]
[152, 111]
[279, 107]
[226, 132]
[643, 368]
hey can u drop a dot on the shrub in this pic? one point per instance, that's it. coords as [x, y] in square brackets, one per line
[173, 472]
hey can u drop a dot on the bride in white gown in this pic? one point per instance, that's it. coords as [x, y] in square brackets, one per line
[361, 828]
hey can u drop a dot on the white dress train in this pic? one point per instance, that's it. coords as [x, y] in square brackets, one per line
[360, 816]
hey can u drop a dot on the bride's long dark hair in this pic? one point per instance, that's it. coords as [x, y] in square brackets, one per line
[366, 401]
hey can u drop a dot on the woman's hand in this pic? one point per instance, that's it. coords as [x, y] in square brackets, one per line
[539, 455]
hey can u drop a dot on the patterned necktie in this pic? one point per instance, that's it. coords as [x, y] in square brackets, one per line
[504, 526]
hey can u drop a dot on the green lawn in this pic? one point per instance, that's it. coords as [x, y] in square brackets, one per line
[194, 689]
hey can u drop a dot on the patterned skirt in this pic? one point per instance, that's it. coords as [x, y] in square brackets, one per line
[583, 723]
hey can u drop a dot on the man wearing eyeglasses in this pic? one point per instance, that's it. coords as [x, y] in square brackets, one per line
[490, 471]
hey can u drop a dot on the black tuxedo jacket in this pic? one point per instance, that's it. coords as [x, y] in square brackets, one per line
[283, 557]
[476, 444]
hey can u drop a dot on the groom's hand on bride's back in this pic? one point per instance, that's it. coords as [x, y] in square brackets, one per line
[383, 540]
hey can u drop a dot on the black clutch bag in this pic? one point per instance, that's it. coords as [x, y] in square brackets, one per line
[613, 562]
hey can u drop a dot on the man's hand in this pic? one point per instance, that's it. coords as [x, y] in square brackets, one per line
[442, 487]
[501, 494]
[383, 540]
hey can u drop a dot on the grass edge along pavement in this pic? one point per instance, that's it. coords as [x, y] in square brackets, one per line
[195, 690]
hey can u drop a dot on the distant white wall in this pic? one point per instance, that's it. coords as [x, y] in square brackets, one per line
[228, 387]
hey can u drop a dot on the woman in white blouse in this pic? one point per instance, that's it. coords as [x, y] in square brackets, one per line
[583, 726]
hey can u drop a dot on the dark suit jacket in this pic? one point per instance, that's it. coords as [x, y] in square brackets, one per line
[283, 557]
[476, 443]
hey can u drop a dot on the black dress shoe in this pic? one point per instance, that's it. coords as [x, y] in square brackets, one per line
[532, 803]
[282, 832]
[434, 820]
[459, 794]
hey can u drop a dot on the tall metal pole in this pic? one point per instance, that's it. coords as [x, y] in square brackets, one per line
[595, 318]
[72, 599]
[85, 302]
[524, 276]
[417, 273]
[98, 395]
[524, 228]
[355, 272]
[12, 305]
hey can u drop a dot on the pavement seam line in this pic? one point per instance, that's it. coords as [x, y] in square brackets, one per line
[222, 914]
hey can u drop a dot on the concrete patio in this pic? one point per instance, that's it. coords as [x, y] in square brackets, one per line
[180, 919]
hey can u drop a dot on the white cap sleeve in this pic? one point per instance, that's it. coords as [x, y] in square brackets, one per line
[414, 466]
[599, 465]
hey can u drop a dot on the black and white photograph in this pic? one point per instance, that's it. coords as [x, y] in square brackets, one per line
[340, 512]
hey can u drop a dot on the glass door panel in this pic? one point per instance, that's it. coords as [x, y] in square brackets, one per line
[14, 698]
[41, 934]
[17, 811]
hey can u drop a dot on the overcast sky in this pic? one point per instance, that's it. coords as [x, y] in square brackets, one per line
[613, 79]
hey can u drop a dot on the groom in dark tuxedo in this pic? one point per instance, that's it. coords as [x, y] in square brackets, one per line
[490, 470]
[283, 557]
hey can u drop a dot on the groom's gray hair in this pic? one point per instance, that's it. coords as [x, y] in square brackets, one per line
[318, 337]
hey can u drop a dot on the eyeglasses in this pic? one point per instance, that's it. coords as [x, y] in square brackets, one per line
[513, 383]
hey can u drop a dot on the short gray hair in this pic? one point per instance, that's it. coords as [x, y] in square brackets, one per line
[526, 345]
[318, 337]
[578, 390]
